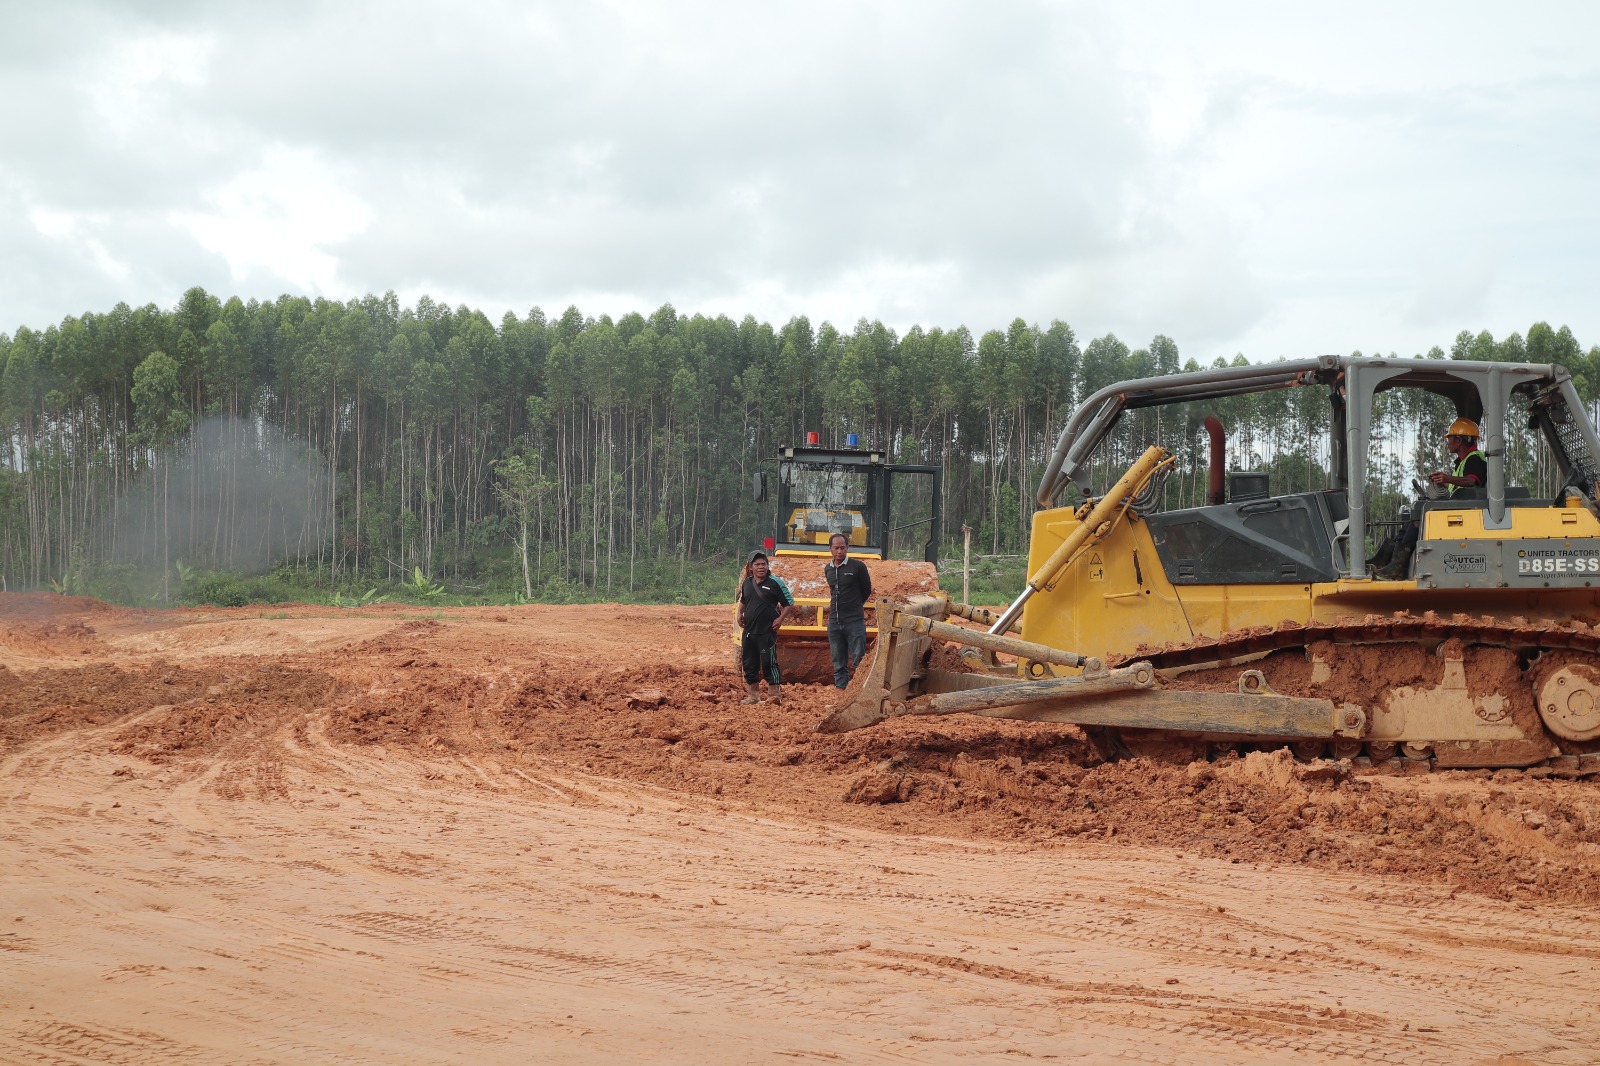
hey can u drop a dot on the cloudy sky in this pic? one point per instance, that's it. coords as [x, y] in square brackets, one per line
[1264, 178]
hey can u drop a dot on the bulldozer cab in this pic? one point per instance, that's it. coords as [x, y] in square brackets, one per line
[1311, 508]
[885, 510]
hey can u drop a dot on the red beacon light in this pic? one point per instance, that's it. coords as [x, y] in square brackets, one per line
[813, 438]
[768, 544]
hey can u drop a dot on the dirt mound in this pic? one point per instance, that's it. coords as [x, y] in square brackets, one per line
[632, 708]
[46, 606]
[50, 639]
[168, 710]
[250, 700]
[43, 703]
[1528, 838]
[891, 578]
[683, 728]
[399, 638]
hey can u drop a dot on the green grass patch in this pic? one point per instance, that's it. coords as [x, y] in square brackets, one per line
[995, 579]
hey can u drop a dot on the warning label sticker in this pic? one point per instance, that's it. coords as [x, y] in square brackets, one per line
[1097, 569]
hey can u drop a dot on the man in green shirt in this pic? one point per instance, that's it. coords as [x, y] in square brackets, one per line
[765, 602]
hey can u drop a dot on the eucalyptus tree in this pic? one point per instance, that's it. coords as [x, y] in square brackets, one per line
[993, 379]
[797, 375]
[600, 385]
[160, 418]
[1059, 362]
[25, 389]
[1105, 362]
[521, 487]
[642, 429]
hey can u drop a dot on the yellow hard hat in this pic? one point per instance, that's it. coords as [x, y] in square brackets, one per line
[1463, 427]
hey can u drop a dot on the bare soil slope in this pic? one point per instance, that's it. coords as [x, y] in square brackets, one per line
[552, 834]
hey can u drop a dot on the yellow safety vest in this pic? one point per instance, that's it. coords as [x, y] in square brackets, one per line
[1461, 468]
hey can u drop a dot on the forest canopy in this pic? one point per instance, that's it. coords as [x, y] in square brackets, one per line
[366, 441]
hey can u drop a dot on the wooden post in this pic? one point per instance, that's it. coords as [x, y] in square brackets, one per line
[966, 563]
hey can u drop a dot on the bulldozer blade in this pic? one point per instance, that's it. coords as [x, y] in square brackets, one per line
[1125, 698]
[895, 665]
[1223, 713]
[805, 662]
[1122, 703]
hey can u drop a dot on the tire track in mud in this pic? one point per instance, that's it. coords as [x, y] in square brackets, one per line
[494, 875]
[1261, 1028]
[1146, 943]
[73, 1045]
[1261, 945]
[1405, 970]
[483, 957]
[588, 962]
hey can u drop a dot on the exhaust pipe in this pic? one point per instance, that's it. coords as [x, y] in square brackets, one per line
[1219, 459]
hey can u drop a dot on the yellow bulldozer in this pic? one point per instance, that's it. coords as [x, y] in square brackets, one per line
[1253, 617]
[879, 506]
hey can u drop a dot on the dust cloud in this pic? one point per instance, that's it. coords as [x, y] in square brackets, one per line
[237, 494]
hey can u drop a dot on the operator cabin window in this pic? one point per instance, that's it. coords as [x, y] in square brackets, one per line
[1277, 516]
[1276, 444]
[1406, 442]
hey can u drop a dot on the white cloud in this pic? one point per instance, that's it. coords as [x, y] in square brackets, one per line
[74, 233]
[129, 90]
[57, 224]
[278, 222]
[1242, 177]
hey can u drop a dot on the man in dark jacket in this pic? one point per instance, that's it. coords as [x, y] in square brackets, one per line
[850, 587]
[764, 603]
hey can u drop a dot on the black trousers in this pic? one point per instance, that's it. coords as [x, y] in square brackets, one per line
[758, 654]
[847, 645]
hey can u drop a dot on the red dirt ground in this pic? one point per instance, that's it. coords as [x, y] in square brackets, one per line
[496, 834]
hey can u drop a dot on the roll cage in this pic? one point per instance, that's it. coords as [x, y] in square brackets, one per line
[1479, 391]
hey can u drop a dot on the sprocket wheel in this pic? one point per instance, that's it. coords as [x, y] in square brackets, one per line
[1567, 690]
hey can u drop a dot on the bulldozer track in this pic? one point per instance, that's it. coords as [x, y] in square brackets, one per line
[1517, 634]
[1530, 640]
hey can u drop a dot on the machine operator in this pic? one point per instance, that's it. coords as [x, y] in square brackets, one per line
[1392, 561]
[1472, 469]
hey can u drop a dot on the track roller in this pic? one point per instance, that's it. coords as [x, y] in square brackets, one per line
[1308, 750]
[1346, 748]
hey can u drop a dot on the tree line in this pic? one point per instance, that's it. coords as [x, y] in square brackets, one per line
[363, 440]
